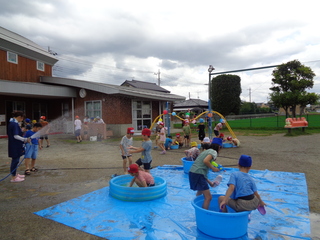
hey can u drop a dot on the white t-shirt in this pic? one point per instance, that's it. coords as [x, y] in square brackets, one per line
[77, 124]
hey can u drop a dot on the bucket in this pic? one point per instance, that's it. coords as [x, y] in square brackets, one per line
[217, 224]
[186, 165]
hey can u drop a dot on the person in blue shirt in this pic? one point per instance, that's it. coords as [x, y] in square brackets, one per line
[242, 194]
[145, 149]
[32, 149]
[168, 142]
[16, 145]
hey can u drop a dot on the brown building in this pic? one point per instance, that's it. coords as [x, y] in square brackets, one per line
[27, 84]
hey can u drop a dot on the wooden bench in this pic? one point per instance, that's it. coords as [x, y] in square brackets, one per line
[296, 123]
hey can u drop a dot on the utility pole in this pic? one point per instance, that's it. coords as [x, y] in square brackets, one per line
[158, 73]
[249, 94]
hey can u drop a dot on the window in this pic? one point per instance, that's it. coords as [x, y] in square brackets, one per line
[12, 57]
[40, 66]
[65, 110]
[93, 108]
[38, 110]
[141, 114]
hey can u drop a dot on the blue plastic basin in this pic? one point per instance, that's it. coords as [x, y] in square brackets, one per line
[218, 224]
[174, 147]
[186, 165]
[119, 190]
[227, 145]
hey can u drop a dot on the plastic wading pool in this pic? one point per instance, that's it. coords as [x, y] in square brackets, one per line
[218, 224]
[186, 165]
[119, 190]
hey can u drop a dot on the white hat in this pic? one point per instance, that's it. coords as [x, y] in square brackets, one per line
[206, 140]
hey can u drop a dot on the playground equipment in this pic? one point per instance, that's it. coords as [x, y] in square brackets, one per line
[165, 112]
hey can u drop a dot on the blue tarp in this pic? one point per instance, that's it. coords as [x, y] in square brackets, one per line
[173, 217]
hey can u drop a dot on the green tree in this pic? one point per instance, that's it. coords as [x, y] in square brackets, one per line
[289, 83]
[225, 94]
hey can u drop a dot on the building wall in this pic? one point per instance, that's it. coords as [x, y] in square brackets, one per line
[24, 71]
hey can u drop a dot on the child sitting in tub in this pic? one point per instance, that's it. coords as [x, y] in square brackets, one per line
[198, 172]
[141, 178]
[242, 194]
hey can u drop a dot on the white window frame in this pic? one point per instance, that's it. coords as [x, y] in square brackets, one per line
[12, 57]
[141, 118]
[40, 66]
[93, 112]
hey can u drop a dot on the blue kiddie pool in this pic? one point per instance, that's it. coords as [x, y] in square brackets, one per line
[186, 165]
[217, 224]
[119, 189]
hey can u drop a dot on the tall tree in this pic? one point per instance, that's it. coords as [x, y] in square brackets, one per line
[289, 83]
[225, 94]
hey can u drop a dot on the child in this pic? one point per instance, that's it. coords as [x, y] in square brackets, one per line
[187, 132]
[242, 194]
[85, 131]
[205, 143]
[234, 141]
[201, 131]
[32, 149]
[126, 142]
[178, 140]
[141, 178]
[193, 152]
[46, 129]
[168, 143]
[198, 178]
[145, 150]
[157, 132]
[162, 138]
[77, 129]
[218, 127]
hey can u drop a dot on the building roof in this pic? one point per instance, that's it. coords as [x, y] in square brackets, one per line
[195, 104]
[10, 41]
[112, 89]
[191, 103]
[35, 90]
[144, 85]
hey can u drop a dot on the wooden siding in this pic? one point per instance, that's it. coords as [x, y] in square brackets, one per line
[24, 71]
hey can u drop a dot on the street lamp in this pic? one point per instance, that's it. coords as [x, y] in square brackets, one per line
[210, 69]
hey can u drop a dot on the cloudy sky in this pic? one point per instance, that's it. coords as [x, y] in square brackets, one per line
[114, 41]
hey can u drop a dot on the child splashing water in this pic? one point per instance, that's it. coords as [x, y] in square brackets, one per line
[198, 178]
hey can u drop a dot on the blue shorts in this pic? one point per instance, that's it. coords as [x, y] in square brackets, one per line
[31, 151]
[77, 132]
[198, 182]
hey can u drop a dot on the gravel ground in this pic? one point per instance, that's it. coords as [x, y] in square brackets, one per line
[68, 170]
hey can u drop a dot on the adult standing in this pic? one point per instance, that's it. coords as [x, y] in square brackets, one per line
[77, 129]
[15, 144]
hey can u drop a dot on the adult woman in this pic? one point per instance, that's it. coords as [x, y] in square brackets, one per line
[15, 144]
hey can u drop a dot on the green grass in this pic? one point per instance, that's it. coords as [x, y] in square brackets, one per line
[266, 126]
